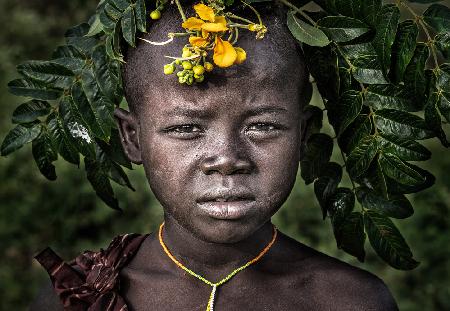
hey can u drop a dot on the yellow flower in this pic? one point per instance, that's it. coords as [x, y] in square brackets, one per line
[213, 23]
[224, 53]
[197, 41]
[205, 12]
[214, 27]
[193, 23]
[241, 55]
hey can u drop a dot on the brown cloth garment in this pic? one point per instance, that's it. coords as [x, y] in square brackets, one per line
[90, 282]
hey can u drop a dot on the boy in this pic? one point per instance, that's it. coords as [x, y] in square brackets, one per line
[222, 157]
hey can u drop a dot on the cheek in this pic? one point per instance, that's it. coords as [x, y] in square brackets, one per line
[278, 169]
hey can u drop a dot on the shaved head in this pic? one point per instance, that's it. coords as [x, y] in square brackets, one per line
[278, 52]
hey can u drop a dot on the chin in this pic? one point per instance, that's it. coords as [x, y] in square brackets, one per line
[225, 231]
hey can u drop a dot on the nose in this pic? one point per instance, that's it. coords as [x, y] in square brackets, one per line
[228, 158]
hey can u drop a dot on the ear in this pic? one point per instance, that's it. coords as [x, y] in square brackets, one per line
[129, 134]
[305, 130]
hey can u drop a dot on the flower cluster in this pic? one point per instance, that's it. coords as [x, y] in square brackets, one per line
[206, 33]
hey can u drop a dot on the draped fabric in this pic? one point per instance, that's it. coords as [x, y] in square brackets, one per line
[91, 281]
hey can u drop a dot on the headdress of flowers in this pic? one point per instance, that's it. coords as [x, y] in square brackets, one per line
[385, 84]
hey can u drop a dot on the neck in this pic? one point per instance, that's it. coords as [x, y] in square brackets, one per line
[213, 259]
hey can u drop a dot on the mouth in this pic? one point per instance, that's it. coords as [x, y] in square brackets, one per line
[227, 207]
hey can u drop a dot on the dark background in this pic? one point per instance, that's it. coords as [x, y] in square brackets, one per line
[67, 215]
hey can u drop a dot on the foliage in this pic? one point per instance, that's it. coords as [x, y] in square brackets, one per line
[377, 82]
[67, 216]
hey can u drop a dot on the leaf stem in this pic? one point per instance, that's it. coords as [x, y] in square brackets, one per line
[231, 15]
[298, 10]
[180, 9]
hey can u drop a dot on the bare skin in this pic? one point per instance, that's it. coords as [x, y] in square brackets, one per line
[239, 137]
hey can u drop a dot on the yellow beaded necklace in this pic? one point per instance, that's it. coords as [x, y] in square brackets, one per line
[214, 286]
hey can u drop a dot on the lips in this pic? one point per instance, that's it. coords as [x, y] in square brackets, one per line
[227, 205]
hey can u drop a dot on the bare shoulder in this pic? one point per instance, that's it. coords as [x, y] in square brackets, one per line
[335, 285]
[46, 299]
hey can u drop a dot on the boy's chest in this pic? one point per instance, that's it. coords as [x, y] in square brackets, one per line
[165, 292]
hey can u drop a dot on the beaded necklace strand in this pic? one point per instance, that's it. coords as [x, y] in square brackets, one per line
[214, 286]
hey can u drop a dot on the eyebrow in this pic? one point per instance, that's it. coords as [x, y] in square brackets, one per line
[189, 112]
[264, 110]
[206, 114]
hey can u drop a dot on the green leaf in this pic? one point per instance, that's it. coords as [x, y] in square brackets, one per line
[322, 64]
[407, 150]
[49, 73]
[102, 107]
[414, 77]
[128, 23]
[366, 67]
[19, 136]
[76, 127]
[398, 188]
[403, 48]
[44, 154]
[64, 145]
[108, 23]
[306, 33]
[342, 29]
[114, 149]
[340, 205]
[374, 179]
[397, 206]
[402, 124]
[105, 77]
[350, 236]
[318, 153]
[96, 27]
[113, 45]
[99, 180]
[67, 51]
[391, 97]
[350, 8]
[316, 119]
[30, 111]
[387, 241]
[325, 186]
[395, 168]
[386, 27]
[78, 31]
[355, 132]
[88, 111]
[118, 175]
[370, 10]
[141, 16]
[433, 117]
[443, 44]
[438, 17]
[344, 111]
[360, 158]
[69, 57]
[33, 89]
[121, 5]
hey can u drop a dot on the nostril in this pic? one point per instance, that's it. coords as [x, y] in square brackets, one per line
[226, 166]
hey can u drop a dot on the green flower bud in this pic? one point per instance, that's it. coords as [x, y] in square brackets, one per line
[169, 69]
[186, 65]
[199, 79]
[156, 14]
[199, 69]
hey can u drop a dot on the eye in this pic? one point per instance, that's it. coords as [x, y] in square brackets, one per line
[186, 130]
[263, 127]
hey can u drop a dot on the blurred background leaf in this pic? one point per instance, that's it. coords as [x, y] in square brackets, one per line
[68, 216]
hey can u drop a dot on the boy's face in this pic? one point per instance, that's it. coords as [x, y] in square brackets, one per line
[238, 142]
[235, 137]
